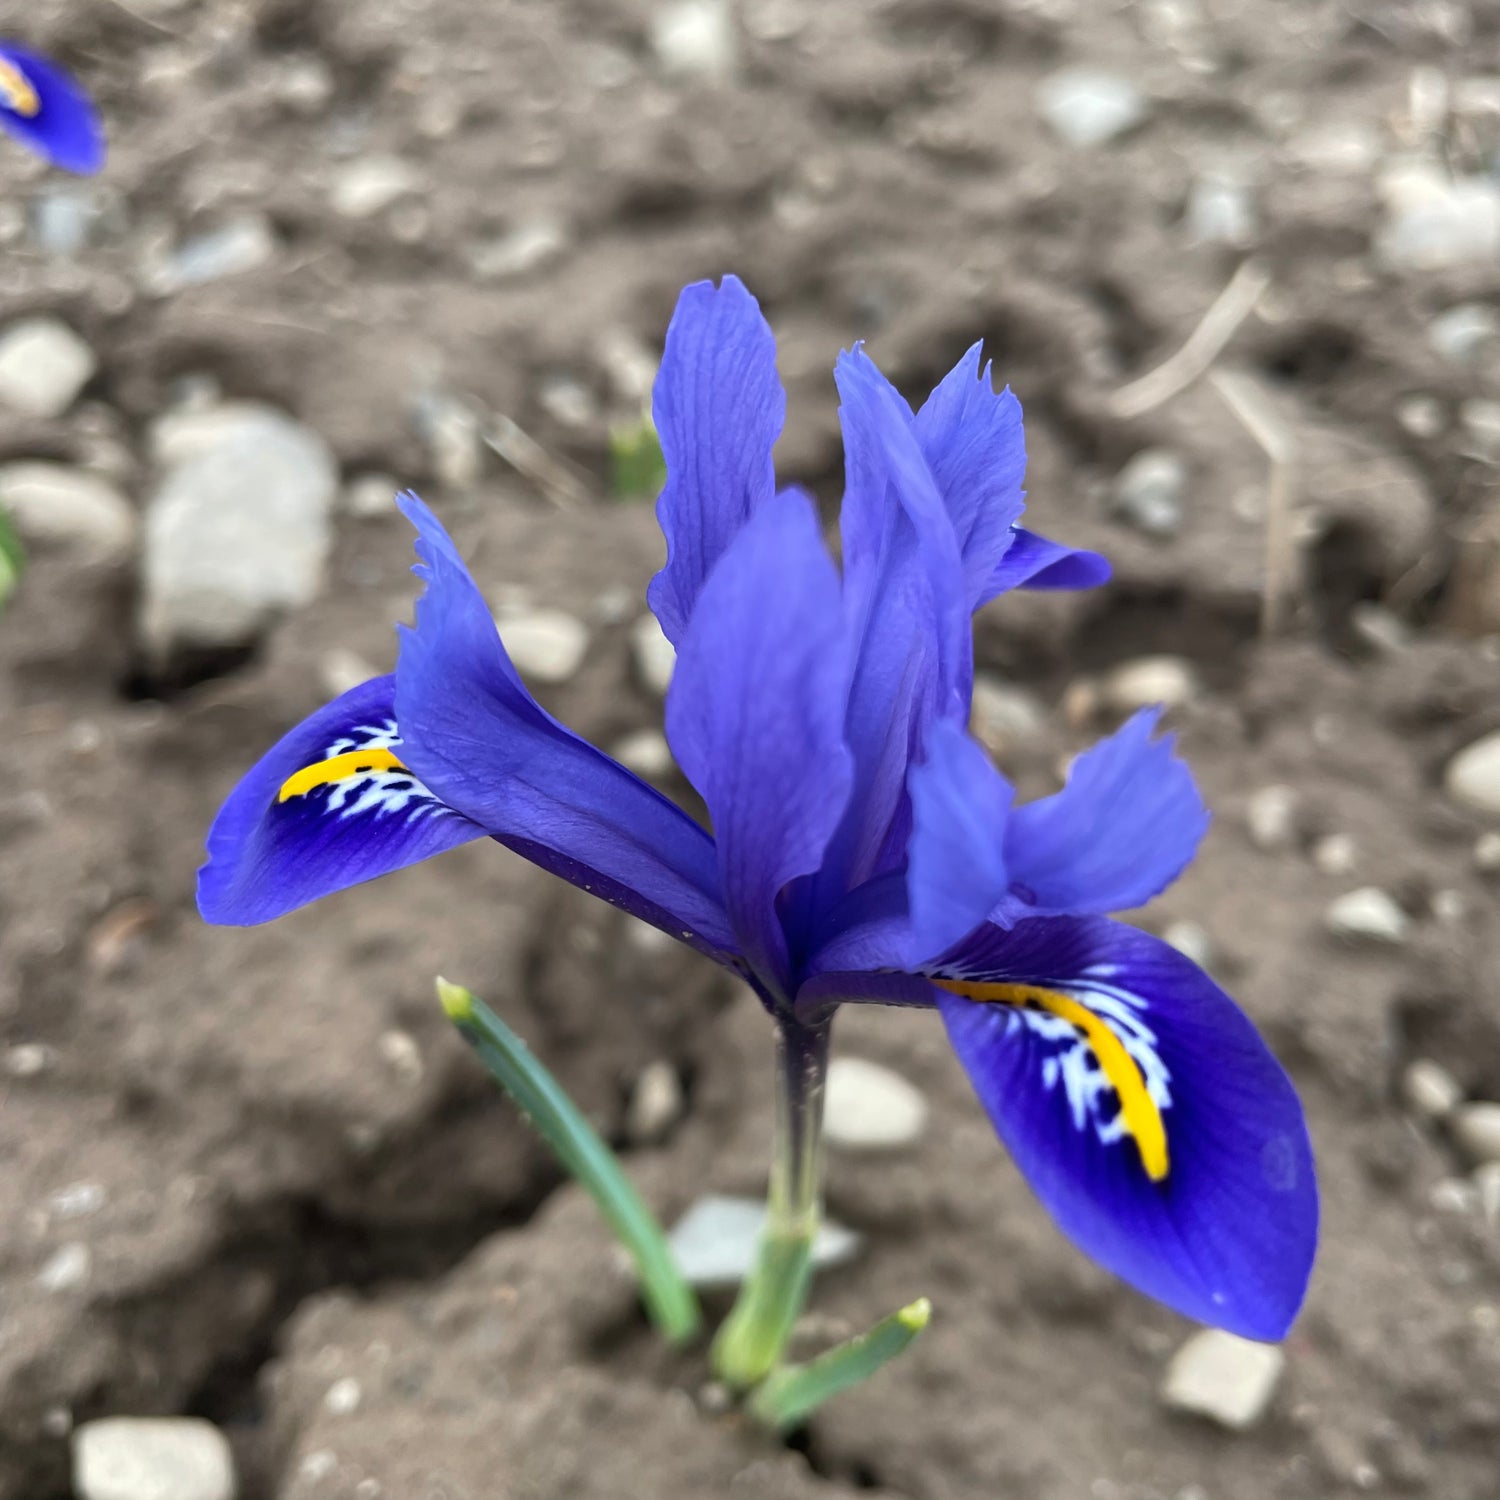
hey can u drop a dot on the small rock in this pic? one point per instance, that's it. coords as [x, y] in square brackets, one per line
[1148, 491]
[1421, 415]
[1367, 915]
[1480, 421]
[43, 366]
[655, 656]
[1271, 817]
[647, 753]
[1473, 775]
[1436, 222]
[656, 1104]
[871, 1108]
[1476, 1129]
[304, 85]
[64, 217]
[29, 1059]
[1461, 332]
[67, 1267]
[1335, 854]
[152, 1458]
[1223, 1377]
[1220, 211]
[1449, 905]
[1431, 1092]
[79, 1200]
[236, 534]
[452, 432]
[696, 39]
[528, 247]
[1087, 107]
[244, 243]
[368, 497]
[341, 669]
[716, 1239]
[1487, 853]
[568, 401]
[1168, 680]
[1379, 628]
[369, 184]
[1004, 716]
[1192, 941]
[53, 504]
[546, 645]
[343, 1397]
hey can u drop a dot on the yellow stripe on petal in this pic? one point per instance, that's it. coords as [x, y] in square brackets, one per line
[1138, 1110]
[17, 92]
[337, 768]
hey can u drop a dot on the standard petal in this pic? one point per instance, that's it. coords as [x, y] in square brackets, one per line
[485, 746]
[1123, 828]
[755, 715]
[1146, 1113]
[43, 107]
[956, 869]
[329, 805]
[719, 408]
[974, 444]
[1034, 562]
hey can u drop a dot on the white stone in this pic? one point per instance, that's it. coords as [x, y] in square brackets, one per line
[243, 243]
[371, 183]
[43, 366]
[715, 1241]
[1223, 1377]
[1087, 107]
[343, 1397]
[152, 1458]
[1436, 222]
[1190, 939]
[655, 656]
[647, 753]
[1271, 817]
[696, 39]
[1487, 853]
[1148, 491]
[236, 534]
[656, 1104]
[341, 669]
[546, 645]
[1335, 854]
[1460, 332]
[1476, 1128]
[1480, 423]
[1431, 1092]
[369, 497]
[1367, 914]
[1168, 680]
[1220, 211]
[868, 1107]
[1473, 775]
[1004, 716]
[67, 1267]
[69, 508]
[526, 248]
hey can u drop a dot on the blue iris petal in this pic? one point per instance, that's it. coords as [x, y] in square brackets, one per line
[718, 408]
[1034, 562]
[267, 857]
[482, 743]
[1124, 827]
[755, 712]
[1227, 1236]
[60, 121]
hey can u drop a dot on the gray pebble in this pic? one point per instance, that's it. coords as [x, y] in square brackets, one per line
[1487, 853]
[1431, 1092]
[243, 243]
[152, 1458]
[1271, 817]
[655, 656]
[1461, 332]
[1476, 1129]
[1335, 854]
[868, 1107]
[526, 248]
[1367, 915]
[1192, 941]
[715, 1241]
[1088, 107]
[696, 39]
[1225, 1378]
[1004, 716]
[1473, 775]
[1148, 491]
[546, 645]
[1220, 211]
[53, 504]
[1167, 680]
[369, 497]
[656, 1104]
[647, 753]
[1480, 422]
[369, 184]
[1437, 222]
[43, 366]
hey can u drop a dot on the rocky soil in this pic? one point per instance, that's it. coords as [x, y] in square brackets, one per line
[250, 1178]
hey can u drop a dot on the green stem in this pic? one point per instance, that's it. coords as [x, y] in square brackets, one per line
[795, 1391]
[750, 1343]
[669, 1299]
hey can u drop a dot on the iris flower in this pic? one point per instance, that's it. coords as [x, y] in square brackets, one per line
[46, 109]
[863, 846]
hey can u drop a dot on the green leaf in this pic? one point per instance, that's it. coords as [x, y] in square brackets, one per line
[669, 1299]
[640, 470]
[791, 1393]
[12, 558]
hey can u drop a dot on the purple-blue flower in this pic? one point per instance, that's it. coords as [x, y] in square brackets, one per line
[47, 110]
[864, 848]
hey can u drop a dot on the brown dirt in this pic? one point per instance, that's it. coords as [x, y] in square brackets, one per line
[305, 1177]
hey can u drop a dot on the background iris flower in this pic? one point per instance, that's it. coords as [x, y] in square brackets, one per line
[44, 108]
[864, 848]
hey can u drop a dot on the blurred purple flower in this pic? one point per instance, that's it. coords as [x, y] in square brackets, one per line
[45, 108]
[864, 848]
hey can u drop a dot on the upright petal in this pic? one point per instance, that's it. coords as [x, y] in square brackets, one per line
[331, 804]
[1123, 828]
[486, 747]
[907, 619]
[44, 107]
[1145, 1112]
[975, 446]
[719, 409]
[1034, 562]
[755, 716]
